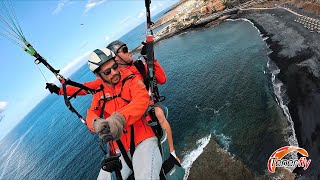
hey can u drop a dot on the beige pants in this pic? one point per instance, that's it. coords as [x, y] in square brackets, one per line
[146, 162]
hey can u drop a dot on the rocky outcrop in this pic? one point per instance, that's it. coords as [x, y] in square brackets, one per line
[216, 164]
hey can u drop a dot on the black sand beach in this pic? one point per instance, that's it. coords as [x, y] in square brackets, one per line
[296, 51]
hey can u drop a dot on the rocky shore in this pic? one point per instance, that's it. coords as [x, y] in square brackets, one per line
[216, 164]
[296, 51]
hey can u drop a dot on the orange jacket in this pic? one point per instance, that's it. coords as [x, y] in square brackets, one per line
[159, 74]
[133, 91]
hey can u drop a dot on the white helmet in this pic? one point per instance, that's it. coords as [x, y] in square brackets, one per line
[99, 57]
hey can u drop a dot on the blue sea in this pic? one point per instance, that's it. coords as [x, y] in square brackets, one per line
[218, 86]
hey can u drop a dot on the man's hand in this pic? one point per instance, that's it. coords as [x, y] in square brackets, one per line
[101, 126]
[112, 126]
[53, 88]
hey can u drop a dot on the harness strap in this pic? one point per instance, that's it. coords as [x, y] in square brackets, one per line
[124, 154]
[64, 83]
[81, 86]
[140, 67]
[119, 143]
[68, 103]
[74, 95]
[125, 79]
[132, 149]
[106, 99]
[104, 102]
[132, 144]
[90, 91]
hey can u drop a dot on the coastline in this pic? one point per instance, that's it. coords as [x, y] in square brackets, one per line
[295, 52]
[217, 163]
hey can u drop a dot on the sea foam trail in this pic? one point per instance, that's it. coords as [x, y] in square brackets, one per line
[212, 109]
[17, 142]
[194, 154]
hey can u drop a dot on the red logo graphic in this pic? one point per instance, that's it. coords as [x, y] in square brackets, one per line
[276, 159]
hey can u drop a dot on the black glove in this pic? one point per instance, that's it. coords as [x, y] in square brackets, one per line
[143, 51]
[53, 88]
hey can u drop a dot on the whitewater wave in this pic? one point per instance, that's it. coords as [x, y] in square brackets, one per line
[183, 33]
[279, 90]
[194, 154]
[246, 20]
[281, 99]
[280, 93]
[223, 140]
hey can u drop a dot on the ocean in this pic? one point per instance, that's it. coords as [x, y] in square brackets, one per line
[220, 85]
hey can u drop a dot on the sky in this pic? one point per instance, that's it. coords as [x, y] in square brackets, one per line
[64, 32]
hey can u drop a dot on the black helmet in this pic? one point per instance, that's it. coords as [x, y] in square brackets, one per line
[115, 46]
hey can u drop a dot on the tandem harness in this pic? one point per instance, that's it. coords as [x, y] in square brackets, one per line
[119, 143]
[154, 123]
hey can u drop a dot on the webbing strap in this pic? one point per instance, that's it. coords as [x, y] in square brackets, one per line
[132, 144]
[76, 84]
[132, 148]
[140, 67]
[68, 103]
[119, 143]
[124, 154]
[106, 99]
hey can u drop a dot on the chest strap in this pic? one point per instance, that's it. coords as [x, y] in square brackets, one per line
[119, 143]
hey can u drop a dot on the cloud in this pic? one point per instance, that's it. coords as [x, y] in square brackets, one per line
[153, 9]
[75, 64]
[93, 3]
[141, 14]
[125, 21]
[61, 4]
[3, 105]
[72, 67]
[107, 38]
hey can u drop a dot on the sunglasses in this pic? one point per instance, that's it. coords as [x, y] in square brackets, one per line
[108, 71]
[124, 50]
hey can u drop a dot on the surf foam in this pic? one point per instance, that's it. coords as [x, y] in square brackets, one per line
[194, 154]
[279, 90]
